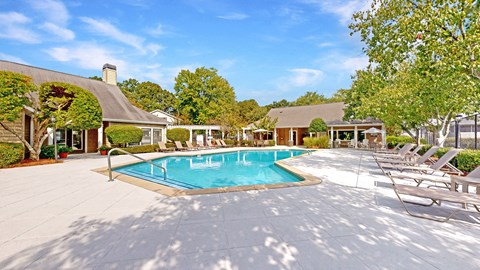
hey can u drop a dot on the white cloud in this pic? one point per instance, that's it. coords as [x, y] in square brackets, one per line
[15, 26]
[12, 58]
[234, 16]
[305, 76]
[88, 56]
[107, 29]
[355, 63]
[157, 31]
[54, 11]
[225, 64]
[63, 33]
[343, 9]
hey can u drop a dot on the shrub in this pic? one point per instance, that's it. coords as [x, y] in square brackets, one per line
[123, 134]
[178, 134]
[392, 141]
[10, 153]
[48, 151]
[246, 142]
[320, 142]
[271, 142]
[468, 160]
[103, 147]
[147, 148]
[317, 125]
[229, 142]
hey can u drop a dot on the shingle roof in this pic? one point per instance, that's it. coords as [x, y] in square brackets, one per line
[115, 105]
[301, 116]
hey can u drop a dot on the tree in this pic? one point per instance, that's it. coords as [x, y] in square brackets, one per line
[72, 106]
[266, 123]
[317, 125]
[426, 54]
[148, 96]
[96, 78]
[250, 111]
[310, 98]
[338, 96]
[278, 104]
[203, 97]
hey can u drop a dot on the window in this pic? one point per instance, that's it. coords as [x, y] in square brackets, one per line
[147, 136]
[157, 135]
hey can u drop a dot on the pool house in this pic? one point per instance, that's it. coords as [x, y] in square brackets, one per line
[293, 123]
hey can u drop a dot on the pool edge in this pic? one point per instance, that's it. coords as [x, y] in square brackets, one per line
[307, 179]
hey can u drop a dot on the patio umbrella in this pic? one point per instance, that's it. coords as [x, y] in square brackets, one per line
[260, 130]
[372, 130]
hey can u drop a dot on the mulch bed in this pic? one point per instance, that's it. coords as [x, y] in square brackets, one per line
[29, 162]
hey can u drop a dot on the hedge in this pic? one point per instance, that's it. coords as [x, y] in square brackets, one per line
[178, 134]
[123, 134]
[147, 148]
[320, 142]
[392, 141]
[10, 153]
[468, 160]
[246, 143]
[229, 142]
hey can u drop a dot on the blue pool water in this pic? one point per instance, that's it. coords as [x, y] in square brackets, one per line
[216, 170]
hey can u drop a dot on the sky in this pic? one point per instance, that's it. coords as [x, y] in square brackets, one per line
[268, 50]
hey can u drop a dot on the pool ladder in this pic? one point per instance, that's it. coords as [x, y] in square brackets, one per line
[135, 156]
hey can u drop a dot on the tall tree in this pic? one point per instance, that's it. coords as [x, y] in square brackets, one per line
[310, 98]
[203, 97]
[250, 111]
[427, 54]
[148, 96]
[279, 104]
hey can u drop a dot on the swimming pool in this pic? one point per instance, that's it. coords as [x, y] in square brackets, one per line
[229, 169]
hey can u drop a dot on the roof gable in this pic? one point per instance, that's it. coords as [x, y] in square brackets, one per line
[301, 116]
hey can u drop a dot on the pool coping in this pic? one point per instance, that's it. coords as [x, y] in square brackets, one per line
[307, 179]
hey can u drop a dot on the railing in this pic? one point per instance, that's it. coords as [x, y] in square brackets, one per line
[135, 156]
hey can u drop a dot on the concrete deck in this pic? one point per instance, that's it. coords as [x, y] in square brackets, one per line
[65, 216]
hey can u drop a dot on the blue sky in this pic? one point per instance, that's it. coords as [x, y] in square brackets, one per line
[268, 50]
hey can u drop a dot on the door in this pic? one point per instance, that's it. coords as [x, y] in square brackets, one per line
[294, 137]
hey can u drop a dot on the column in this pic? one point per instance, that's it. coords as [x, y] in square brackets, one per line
[190, 131]
[85, 137]
[275, 136]
[244, 135]
[384, 136]
[290, 135]
[50, 135]
[331, 135]
[355, 136]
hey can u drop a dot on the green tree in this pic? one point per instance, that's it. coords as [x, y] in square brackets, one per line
[338, 96]
[310, 98]
[266, 123]
[426, 54]
[279, 104]
[148, 96]
[124, 134]
[72, 106]
[203, 97]
[96, 78]
[317, 125]
[250, 111]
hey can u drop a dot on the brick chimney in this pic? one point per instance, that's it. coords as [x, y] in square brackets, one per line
[109, 74]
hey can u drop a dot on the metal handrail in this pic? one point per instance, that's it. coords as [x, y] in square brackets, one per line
[135, 156]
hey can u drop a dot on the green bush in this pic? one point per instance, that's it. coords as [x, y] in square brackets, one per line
[64, 149]
[178, 134]
[147, 148]
[392, 141]
[441, 151]
[229, 142]
[10, 153]
[468, 160]
[47, 151]
[317, 125]
[123, 134]
[271, 142]
[246, 143]
[320, 142]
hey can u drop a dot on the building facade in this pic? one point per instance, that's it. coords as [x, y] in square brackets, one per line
[116, 110]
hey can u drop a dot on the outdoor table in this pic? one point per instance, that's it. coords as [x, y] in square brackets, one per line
[466, 182]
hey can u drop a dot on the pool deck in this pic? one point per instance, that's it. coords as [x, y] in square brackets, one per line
[66, 216]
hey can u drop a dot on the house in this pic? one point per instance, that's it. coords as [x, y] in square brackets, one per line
[293, 124]
[117, 110]
[171, 119]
